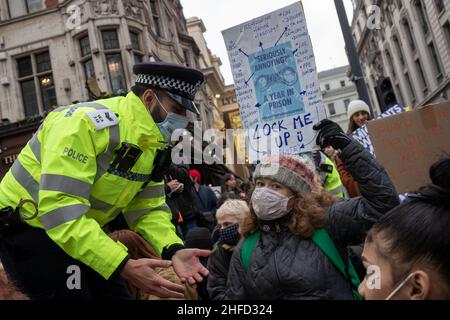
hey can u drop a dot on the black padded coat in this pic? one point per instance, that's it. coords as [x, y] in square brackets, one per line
[285, 266]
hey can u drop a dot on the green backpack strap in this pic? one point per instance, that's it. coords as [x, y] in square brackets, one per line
[323, 240]
[247, 249]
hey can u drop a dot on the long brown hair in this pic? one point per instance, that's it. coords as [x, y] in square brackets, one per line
[138, 248]
[352, 126]
[308, 214]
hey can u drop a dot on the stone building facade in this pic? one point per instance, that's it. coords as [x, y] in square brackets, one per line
[56, 52]
[337, 91]
[223, 96]
[410, 45]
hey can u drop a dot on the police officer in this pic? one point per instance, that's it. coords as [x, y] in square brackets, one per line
[329, 175]
[87, 164]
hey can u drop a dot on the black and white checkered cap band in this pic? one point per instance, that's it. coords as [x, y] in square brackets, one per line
[168, 83]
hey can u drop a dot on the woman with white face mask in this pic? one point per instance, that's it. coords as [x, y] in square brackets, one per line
[407, 252]
[297, 234]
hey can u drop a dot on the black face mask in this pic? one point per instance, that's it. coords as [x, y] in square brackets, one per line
[230, 235]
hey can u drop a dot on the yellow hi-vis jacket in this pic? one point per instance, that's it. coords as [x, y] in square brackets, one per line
[65, 169]
[331, 181]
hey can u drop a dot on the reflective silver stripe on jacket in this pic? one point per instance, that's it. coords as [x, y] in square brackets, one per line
[105, 159]
[339, 191]
[57, 217]
[64, 184]
[104, 207]
[132, 216]
[25, 179]
[97, 106]
[151, 192]
[35, 145]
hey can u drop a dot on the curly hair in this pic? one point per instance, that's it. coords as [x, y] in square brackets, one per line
[308, 214]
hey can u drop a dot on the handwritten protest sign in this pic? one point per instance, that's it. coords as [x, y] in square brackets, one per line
[362, 135]
[407, 144]
[276, 82]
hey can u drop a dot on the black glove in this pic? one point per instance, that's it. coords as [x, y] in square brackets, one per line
[331, 134]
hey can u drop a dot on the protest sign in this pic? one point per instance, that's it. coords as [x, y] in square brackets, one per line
[276, 82]
[407, 144]
[362, 135]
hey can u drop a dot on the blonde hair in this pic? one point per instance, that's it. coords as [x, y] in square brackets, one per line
[235, 208]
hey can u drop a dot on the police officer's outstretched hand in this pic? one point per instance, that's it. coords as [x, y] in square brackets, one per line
[331, 134]
[141, 274]
[187, 265]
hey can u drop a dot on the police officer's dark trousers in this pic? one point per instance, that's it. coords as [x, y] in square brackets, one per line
[42, 270]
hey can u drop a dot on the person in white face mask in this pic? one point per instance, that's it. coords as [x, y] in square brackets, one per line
[297, 235]
[407, 252]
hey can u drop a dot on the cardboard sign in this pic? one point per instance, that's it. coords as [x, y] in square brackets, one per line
[276, 82]
[362, 135]
[409, 143]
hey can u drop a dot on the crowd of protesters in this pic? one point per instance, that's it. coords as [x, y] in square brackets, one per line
[285, 235]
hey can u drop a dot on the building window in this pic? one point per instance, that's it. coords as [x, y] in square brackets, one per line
[110, 39]
[435, 59]
[89, 71]
[19, 8]
[135, 43]
[136, 46]
[85, 46]
[156, 18]
[34, 5]
[48, 92]
[86, 58]
[343, 84]
[25, 67]
[409, 35]
[399, 50]
[116, 73]
[421, 15]
[43, 62]
[423, 82]
[171, 25]
[446, 28]
[390, 63]
[36, 83]
[440, 7]
[29, 98]
[346, 104]
[400, 94]
[114, 60]
[138, 58]
[187, 58]
[331, 109]
[16, 8]
[327, 87]
[412, 93]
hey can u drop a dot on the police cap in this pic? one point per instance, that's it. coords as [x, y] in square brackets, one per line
[179, 82]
